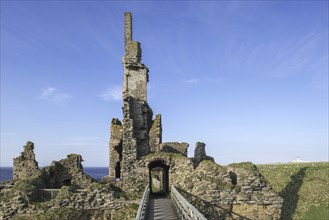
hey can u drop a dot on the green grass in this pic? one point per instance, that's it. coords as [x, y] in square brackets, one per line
[243, 165]
[303, 186]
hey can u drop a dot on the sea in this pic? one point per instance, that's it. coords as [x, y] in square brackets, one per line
[6, 173]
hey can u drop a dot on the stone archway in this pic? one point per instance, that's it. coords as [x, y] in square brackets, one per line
[159, 177]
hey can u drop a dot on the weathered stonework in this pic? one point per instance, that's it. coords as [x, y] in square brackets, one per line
[139, 132]
[73, 166]
[115, 149]
[95, 202]
[25, 165]
[66, 172]
[174, 147]
[155, 134]
[200, 152]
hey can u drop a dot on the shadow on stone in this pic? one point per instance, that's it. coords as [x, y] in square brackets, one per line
[290, 195]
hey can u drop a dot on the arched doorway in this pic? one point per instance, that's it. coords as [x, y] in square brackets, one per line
[159, 177]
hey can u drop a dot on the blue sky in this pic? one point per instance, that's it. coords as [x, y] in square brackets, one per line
[248, 78]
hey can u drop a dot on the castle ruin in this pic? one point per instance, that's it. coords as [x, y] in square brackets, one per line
[138, 134]
[139, 159]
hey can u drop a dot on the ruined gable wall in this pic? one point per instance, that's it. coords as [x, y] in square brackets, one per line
[25, 165]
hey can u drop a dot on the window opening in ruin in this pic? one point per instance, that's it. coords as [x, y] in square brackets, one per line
[117, 156]
[117, 170]
[233, 177]
[118, 149]
[159, 177]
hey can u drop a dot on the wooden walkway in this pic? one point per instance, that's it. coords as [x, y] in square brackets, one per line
[161, 208]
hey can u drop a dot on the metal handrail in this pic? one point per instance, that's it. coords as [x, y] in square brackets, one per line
[143, 204]
[185, 209]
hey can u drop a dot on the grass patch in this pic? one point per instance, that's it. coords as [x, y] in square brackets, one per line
[243, 165]
[321, 212]
[303, 186]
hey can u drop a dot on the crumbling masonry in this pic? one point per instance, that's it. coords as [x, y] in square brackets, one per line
[138, 134]
[138, 157]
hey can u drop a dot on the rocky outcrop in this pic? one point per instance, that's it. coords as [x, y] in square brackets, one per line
[25, 165]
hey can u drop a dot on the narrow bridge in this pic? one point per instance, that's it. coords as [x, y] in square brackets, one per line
[161, 207]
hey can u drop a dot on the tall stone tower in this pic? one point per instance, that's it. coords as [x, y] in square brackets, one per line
[138, 134]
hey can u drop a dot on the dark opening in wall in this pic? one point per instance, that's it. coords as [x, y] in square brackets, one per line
[118, 149]
[159, 177]
[67, 182]
[233, 177]
[117, 170]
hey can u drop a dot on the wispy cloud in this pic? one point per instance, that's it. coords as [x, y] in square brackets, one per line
[199, 80]
[53, 96]
[112, 94]
[191, 81]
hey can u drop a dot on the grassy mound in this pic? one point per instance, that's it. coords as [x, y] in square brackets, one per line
[303, 186]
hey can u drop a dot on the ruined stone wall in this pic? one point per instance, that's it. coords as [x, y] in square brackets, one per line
[174, 147]
[66, 172]
[199, 152]
[135, 80]
[115, 148]
[155, 134]
[232, 192]
[137, 115]
[79, 178]
[96, 198]
[141, 115]
[243, 193]
[25, 166]
[135, 72]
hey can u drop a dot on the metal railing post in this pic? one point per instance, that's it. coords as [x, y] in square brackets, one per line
[142, 209]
